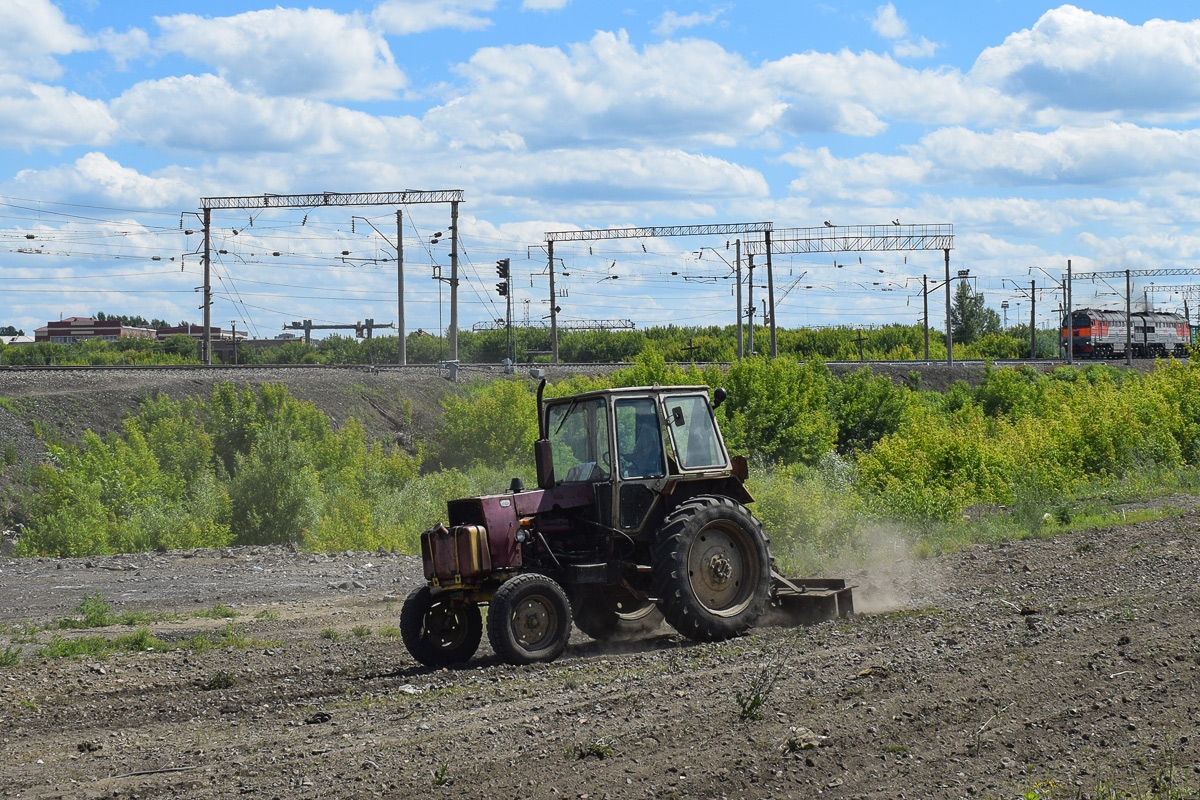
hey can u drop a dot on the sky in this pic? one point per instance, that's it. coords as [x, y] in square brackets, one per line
[1042, 133]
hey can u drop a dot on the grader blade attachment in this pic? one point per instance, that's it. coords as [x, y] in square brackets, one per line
[805, 601]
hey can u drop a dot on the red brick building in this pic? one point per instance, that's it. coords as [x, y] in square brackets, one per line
[197, 332]
[78, 329]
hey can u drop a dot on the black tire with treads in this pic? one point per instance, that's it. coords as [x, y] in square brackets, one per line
[529, 619]
[438, 630]
[712, 569]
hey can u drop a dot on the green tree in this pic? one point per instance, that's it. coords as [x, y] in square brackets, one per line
[969, 317]
[275, 493]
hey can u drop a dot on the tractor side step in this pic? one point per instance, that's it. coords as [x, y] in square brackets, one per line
[803, 601]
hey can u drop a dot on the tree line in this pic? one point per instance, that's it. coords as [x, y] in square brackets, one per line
[978, 334]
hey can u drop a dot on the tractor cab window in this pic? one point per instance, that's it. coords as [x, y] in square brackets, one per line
[639, 440]
[579, 439]
[694, 432]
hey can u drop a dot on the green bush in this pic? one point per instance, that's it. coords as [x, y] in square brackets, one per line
[275, 492]
[488, 424]
[778, 411]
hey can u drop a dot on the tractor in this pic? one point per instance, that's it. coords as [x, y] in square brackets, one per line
[639, 516]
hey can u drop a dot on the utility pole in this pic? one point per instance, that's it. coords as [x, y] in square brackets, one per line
[750, 302]
[1070, 318]
[454, 280]
[206, 356]
[553, 304]
[738, 270]
[770, 291]
[1033, 319]
[1128, 325]
[949, 330]
[925, 295]
[233, 328]
[402, 346]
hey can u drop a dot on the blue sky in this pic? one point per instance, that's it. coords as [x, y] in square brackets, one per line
[1041, 132]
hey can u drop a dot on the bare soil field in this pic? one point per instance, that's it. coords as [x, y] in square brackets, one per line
[1063, 666]
[987, 673]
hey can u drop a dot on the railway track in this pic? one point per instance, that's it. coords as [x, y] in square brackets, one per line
[468, 369]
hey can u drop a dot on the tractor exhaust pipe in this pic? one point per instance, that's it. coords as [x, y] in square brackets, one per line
[543, 455]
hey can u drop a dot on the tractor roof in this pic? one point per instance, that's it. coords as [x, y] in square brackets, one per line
[629, 390]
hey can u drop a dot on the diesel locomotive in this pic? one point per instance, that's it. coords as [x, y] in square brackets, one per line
[1101, 334]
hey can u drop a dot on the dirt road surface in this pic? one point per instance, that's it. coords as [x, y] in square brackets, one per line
[987, 673]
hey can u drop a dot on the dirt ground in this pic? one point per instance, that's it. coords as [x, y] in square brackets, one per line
[987, 673]
[1059, 666]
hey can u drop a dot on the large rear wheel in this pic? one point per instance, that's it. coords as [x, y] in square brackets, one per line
[609, 615]
[529, 619]
[712, 569]
[438, 630]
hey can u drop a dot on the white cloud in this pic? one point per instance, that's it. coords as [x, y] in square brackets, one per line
[543, 5]
[1107, 155]
[887, 23]
[672, 22]
[856, 93]
[1113, 155]
[204, 114]
[402, 17]
[312, 53]
[34, 33]
[1077, 60]
[95, 175]
[606, 91]
[617, 175]
[40, 116]
[124, 47]
[919, 49]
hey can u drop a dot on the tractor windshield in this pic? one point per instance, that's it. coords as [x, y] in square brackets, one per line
[694, 432]
[579, 438]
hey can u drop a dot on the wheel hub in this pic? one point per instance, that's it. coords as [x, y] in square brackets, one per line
[532, 621]
[720, 569]
[444, 626]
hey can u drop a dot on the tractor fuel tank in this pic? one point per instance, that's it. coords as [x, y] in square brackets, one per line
[458, 553]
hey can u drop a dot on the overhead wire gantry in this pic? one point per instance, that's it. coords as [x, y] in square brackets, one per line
[718, 228]
[405, 197]
[830, 238]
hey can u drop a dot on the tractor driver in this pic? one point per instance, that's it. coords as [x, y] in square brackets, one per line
[645, 458]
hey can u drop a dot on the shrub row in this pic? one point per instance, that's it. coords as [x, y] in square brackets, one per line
[833, 457]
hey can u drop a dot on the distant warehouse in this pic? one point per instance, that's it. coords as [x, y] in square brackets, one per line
[73, 330]
[79, 329]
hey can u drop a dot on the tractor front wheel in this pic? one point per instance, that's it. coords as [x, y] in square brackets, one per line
[712, 569]
[529, 619]
[439, 631]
